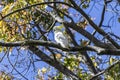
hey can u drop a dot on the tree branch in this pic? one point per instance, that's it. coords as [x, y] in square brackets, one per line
[102, 18]
[103, 14]
[99, 50]
[15, 68]
[102, 72]
[84, 54]
[76, 7]
[53, 63]
[27, 7]
[85, 34]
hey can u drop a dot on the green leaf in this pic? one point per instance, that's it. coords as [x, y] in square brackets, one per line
[29, 34]
[85, 6]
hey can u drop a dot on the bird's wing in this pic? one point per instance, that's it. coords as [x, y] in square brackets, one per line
[61, 37]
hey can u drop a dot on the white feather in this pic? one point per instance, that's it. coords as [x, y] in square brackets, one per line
[61, 38]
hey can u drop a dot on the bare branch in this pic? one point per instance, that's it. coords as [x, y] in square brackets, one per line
[102, 72]
[27, 7]
[80, 30]
[76, 7]
[99, 50]
[117, 37]
[84, 54]
[102, 17]
[15, 68]
[53, 63]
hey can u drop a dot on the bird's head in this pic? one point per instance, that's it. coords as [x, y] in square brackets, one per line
[57, 28]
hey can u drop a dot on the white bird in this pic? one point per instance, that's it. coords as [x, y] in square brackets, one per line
[60, 37]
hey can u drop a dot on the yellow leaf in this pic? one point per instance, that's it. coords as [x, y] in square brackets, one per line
[95, 64]
[111, 61]
[58, 56]
[84, 43]
[83, 24]
[44, 70]
[109, 77]
[59, 27]
[7, 9]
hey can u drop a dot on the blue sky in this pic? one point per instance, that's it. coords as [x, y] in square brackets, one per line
[94, 13]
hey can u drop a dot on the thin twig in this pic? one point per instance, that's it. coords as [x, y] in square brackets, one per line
[102, 72]
[53, 63]
[43, 3]
[99, 30]
[15, 68]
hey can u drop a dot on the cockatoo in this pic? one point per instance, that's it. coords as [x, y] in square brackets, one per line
[60, 37]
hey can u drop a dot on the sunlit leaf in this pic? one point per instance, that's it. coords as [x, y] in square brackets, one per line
[58, 56]
[44, 70]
